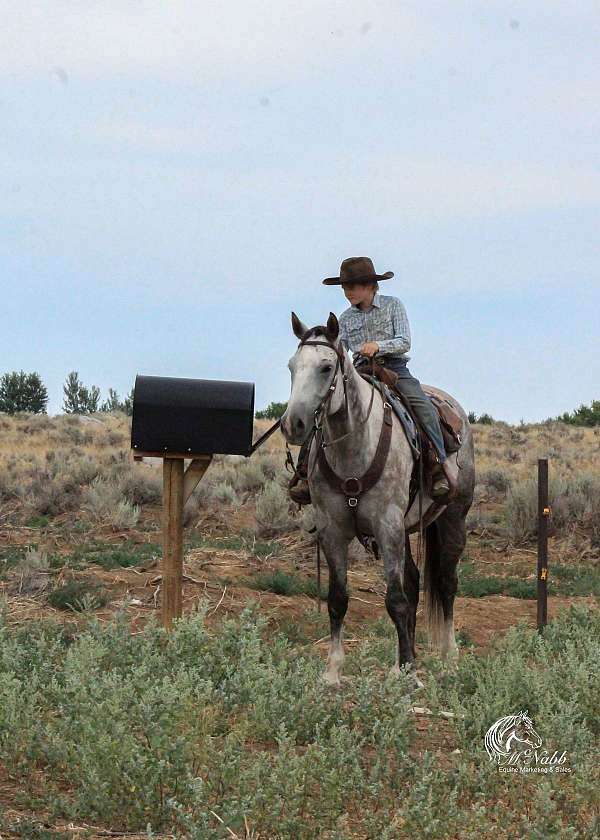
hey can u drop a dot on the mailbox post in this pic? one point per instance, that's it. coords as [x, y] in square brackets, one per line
[179, 419]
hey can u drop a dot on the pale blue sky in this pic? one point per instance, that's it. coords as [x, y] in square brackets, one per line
[177, 176]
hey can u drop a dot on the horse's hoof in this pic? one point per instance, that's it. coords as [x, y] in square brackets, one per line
[395, 673]
[451, 657]
[418, 682]
[331, 680]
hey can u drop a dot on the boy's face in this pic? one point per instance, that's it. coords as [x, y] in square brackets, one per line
[358, 293]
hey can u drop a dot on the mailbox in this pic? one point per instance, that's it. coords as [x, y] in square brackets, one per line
[188, 417]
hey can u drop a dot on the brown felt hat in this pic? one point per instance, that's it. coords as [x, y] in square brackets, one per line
[357, 270]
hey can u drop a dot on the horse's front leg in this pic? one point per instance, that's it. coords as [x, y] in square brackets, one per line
[400, 604]
[335, 546]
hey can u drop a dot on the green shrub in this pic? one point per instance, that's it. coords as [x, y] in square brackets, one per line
[128, 555]
[283, 583]
[154, 732]
[78, 595]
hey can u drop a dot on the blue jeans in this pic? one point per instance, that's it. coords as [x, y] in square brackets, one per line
[419, 402]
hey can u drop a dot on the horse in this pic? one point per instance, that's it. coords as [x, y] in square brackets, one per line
[329, 394]
[500, 736]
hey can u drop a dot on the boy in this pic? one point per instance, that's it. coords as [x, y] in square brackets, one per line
[377, 325]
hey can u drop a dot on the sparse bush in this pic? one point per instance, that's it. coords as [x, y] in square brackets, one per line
[101, 498]
[82, 470]
[52, 495]
[104, 501]
[141, 485]
[250, 475]
[270, 464]
[572, 502]
[32, 568]
[496, 479]
[9, 487]
[273, 509]
[125, 515]
[224, 494]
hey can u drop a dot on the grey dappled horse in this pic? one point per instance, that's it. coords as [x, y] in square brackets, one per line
[321, 371]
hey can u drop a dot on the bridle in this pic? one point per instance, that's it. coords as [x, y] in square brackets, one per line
[320, 410]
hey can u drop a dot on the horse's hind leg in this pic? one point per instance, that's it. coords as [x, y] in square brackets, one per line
[411, 588]
[446, 543]
[335, 547]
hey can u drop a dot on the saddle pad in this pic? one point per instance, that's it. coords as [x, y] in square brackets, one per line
[410, 430]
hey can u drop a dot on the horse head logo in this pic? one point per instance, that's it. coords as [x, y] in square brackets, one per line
[511, 734]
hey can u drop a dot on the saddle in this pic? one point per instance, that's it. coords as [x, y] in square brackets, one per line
[450, 421]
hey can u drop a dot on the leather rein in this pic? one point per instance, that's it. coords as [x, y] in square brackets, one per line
[352, 487]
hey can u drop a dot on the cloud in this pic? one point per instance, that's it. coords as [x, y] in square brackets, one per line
[197, 41]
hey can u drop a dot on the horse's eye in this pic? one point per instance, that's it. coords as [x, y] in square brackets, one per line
[326, 369]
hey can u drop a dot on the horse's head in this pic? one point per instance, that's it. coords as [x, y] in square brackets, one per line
[317, 369]
[524, 731]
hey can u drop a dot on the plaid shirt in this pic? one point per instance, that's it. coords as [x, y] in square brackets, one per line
[385, 322]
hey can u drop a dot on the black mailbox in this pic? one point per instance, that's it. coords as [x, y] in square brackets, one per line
[188, 417]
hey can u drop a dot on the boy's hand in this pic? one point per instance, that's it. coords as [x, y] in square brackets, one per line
[369, 348]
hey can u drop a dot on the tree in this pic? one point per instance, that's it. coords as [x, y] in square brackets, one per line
[273, 411]
[79, 399]
[23, 392]
[584, 415]
[113, 403]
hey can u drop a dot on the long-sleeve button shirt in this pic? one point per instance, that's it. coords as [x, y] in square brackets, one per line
[385, 322]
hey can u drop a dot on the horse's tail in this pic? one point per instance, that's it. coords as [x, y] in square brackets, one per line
[434, 614]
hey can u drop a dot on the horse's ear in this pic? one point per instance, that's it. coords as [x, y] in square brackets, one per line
[298, 327]
[333, 327]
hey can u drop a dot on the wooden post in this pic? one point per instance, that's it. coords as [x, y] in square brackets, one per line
[542, 558]
[178, 486]
[172, 566]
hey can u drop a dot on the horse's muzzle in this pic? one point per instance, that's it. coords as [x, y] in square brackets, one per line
[295, 430]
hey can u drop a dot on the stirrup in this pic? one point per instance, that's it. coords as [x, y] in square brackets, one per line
[299, 491]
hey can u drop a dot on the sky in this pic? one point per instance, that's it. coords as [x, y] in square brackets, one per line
[177, 177]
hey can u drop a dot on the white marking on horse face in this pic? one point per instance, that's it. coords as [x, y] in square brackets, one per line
[312, 371]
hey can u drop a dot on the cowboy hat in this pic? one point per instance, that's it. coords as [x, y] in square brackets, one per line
[357, 270]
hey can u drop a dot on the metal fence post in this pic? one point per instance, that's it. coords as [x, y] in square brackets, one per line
[542, 556]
